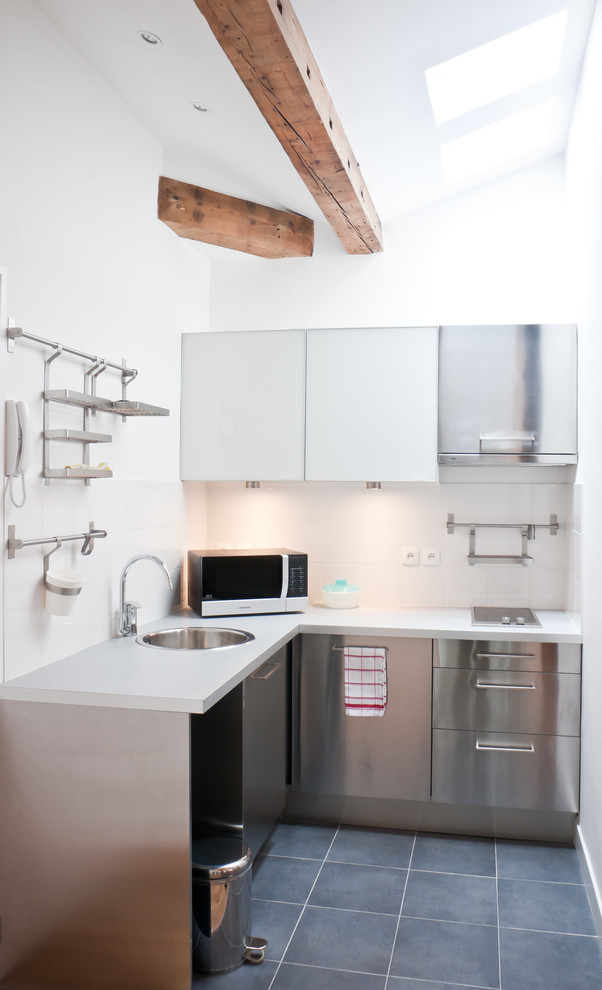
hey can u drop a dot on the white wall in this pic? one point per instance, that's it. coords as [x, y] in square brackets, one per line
[495, 255]
[585, 196]
[88, 264]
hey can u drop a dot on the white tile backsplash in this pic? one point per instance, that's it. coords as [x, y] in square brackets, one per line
[358, 535]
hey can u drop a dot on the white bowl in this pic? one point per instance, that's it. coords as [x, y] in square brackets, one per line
[341, 599]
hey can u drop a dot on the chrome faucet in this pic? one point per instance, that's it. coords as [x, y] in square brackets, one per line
[128, 611]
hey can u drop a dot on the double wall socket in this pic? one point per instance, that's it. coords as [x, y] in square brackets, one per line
[412, 556]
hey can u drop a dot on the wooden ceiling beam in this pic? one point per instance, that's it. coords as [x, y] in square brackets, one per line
[203, 215]
[266, 45]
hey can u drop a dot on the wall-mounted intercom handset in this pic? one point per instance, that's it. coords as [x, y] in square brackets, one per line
[18, 446]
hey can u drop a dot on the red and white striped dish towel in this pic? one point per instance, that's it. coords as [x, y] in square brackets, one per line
[365, 680]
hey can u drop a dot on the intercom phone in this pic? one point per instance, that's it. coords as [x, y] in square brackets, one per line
[18, 445]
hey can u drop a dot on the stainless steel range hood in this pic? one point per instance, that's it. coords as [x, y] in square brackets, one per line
[508, 394]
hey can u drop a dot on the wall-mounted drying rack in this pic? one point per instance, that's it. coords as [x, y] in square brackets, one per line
[13, 544]
[527, 531]
[87, 400]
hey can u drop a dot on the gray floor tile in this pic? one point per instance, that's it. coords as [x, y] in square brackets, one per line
[375, 847]
[343, 940]
[451, 897]
[275, 922]
[302, 841]
[537, 861]
[546, 907]
[247, 977]
[359, 888]
[400, 983]
[454, 854]
[442, 950]
[280, 878]
[540, 961]
[294, 977]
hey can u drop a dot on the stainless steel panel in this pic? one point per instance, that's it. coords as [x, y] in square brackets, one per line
[506, 701]
[264, 749]
[506, 770]
[238, 778]
[495, 654]
[94, 848]
[508, 393]
[376, 757]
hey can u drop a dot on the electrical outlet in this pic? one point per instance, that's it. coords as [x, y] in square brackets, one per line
[410, 556]
[430, 556]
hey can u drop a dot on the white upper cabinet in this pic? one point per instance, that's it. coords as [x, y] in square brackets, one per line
[243, 404]
[372, 404]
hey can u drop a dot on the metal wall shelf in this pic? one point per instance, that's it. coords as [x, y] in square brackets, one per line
[88, 401]
[121, 407]
[77, 436]
[70, 398]
[78, 472]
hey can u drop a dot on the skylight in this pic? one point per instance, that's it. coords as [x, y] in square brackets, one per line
[495, 70]
[512, 137]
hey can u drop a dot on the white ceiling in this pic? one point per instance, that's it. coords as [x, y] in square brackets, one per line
[372, 56]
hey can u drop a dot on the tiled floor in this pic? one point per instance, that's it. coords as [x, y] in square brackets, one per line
[366, 909]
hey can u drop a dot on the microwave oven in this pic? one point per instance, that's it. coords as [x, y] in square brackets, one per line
[247, 582]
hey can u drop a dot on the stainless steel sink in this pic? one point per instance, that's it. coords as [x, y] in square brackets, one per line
[194, 638]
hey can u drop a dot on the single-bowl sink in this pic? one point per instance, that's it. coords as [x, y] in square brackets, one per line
[194, 638]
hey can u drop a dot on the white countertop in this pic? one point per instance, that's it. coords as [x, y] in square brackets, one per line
[120, 673]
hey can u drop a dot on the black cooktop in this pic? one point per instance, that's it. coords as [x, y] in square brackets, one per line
[486, 616]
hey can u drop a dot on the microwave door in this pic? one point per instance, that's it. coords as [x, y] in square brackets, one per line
[284, 590]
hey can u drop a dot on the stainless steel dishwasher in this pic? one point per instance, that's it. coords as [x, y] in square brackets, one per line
[373, 757]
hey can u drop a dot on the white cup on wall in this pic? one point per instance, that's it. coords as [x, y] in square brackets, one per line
[62, 588]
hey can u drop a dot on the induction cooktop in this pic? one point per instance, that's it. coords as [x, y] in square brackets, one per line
[486, 616]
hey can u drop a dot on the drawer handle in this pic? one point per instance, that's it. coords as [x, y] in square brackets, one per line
[508, 687]
[268, 669]
[506, 749]
[506, 656]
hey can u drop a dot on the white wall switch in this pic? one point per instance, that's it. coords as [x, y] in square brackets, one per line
[430, 556]
[410, 556]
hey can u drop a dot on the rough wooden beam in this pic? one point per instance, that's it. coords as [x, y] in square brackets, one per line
[211, 217]
[266, 45]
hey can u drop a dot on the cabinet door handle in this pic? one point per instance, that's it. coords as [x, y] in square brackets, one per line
[266, 670]
[506, 656]
[507, 687]
[506, 749]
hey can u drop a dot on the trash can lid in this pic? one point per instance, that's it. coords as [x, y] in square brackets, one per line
[220, 857]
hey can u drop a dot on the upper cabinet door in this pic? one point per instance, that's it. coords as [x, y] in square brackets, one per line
[243, 404]
[508, 394]
[372, 404]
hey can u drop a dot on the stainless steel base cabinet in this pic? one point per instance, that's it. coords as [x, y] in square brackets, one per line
[506, 720]
[239, 758]
[386, 756]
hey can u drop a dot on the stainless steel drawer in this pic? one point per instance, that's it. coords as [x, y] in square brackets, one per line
[506, 770]
[506, 701]
[505, 655]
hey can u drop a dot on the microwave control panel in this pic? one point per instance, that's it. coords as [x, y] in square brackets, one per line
[297, 575]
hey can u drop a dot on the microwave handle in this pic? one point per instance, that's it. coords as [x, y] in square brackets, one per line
[284, 591]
